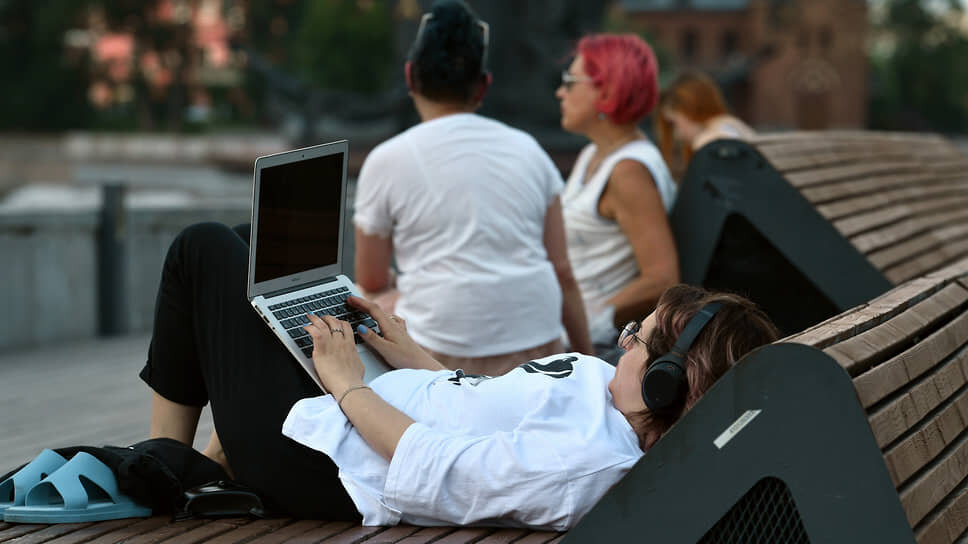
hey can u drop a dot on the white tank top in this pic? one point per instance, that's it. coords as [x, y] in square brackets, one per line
[600, 254]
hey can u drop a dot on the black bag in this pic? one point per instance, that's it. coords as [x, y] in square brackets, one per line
[172, 478]
[155, 472]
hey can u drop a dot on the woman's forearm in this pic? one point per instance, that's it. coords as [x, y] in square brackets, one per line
[378, 422]
[637, 299]
[574, 319]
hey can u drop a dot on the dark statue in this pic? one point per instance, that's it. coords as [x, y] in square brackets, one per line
[531, 42]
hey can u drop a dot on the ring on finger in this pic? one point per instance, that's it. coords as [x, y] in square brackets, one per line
[334, 331]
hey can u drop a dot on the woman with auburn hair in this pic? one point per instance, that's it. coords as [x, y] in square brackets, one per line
[692, 113]
[620, 190]
[536, 447]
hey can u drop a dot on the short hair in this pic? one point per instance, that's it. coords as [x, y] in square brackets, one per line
[447, 56]
[624, 66]
[737, 328]
[693, 94]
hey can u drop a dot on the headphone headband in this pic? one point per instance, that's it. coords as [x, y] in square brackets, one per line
[692, 330]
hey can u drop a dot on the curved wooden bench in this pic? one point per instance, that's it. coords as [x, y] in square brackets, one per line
[832, 219]
[860, 434]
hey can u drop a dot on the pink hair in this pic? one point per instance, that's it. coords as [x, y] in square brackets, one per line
[624, 66]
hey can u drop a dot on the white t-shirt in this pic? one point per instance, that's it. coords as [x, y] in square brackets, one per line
[536, 447]
[464, 198]
[601, 256]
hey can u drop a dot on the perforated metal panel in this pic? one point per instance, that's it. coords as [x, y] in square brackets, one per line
[766, 513]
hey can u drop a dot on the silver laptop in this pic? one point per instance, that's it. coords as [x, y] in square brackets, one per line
[296, 250]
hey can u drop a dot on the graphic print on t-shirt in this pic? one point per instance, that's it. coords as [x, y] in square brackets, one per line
[471, 379]
[559, 368]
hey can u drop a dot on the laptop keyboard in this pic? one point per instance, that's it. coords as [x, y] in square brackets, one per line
[292, 315]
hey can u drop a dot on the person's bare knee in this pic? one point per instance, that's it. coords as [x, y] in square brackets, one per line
[172, 420]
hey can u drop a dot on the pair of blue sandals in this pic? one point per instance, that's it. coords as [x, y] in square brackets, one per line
[51, 489]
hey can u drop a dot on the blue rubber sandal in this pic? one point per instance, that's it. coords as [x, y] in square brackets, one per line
[83, 489]
[14, 489]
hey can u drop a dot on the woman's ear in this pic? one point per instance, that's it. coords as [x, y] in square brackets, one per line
[486, 80]
[408, 75]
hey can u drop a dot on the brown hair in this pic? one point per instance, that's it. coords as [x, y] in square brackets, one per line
[737, 328]
[695, 95]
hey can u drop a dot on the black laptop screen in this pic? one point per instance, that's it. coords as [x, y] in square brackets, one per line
[298, 217]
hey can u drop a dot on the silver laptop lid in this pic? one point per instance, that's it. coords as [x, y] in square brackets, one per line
[298, 208]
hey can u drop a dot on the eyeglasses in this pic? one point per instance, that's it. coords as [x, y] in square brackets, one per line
[568, 79]
[628, 334]
[485, 35]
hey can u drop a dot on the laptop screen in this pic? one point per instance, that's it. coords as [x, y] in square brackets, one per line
[298, 216]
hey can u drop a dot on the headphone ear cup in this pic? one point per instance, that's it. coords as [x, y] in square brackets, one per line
[663, 386]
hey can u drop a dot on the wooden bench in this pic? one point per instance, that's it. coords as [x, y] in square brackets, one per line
[831, 219]
[853, 430]
[224, 531]
[858, 433]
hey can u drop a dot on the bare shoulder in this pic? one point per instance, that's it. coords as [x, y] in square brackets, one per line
[630, 177]
[630, 186]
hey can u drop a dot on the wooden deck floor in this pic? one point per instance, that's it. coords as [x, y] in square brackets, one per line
[85, 393]
[89, 393]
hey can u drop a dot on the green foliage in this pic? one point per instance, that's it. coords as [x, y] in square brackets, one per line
[344, 44]
[41, 90]
[921, 80]
[616, 23]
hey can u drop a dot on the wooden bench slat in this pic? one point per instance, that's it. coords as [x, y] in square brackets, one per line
[15, 530]
[912, 247]
[931, 488]
[901, 414]
[464, 536]
[866, 316]
[907, 226]
[428, 534]
[823, 194]
[503, 536]
[93, 531]
[357, 533]
[167, 531]
[840, 209]
[50, 532]
[539, 538]
[916, 451]
[307, 531]
[788, 163]
[947, 525]
[208, 530]
[929, 261]
[249, 531]
[860, 352]
[859, 170]
[126, 533]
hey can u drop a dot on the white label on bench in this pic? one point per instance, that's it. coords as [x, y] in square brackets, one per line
[735, 428]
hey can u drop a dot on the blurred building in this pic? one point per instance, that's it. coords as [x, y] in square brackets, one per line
[782, 64]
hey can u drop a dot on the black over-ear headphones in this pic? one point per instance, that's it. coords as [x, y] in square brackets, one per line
[665, 385]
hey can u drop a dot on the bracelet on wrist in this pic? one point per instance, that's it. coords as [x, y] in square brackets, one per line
[349, 390]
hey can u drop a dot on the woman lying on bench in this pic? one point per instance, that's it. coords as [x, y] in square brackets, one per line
[536, 447]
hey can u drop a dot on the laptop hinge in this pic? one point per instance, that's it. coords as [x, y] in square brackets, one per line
[298, 288]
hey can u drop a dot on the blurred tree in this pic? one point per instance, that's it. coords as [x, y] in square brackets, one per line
[42, 88]
[919, 68]
[344, 44]
[329, 44]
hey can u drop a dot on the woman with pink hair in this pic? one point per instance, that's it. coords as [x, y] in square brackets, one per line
[620, 190]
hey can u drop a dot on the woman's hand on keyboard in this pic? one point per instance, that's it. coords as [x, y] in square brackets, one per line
[396, 346]
[334, 353]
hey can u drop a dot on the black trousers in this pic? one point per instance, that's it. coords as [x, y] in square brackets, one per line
[209, 345]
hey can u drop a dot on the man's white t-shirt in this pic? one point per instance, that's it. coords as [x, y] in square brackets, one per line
[536, 447]
[464, 199]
